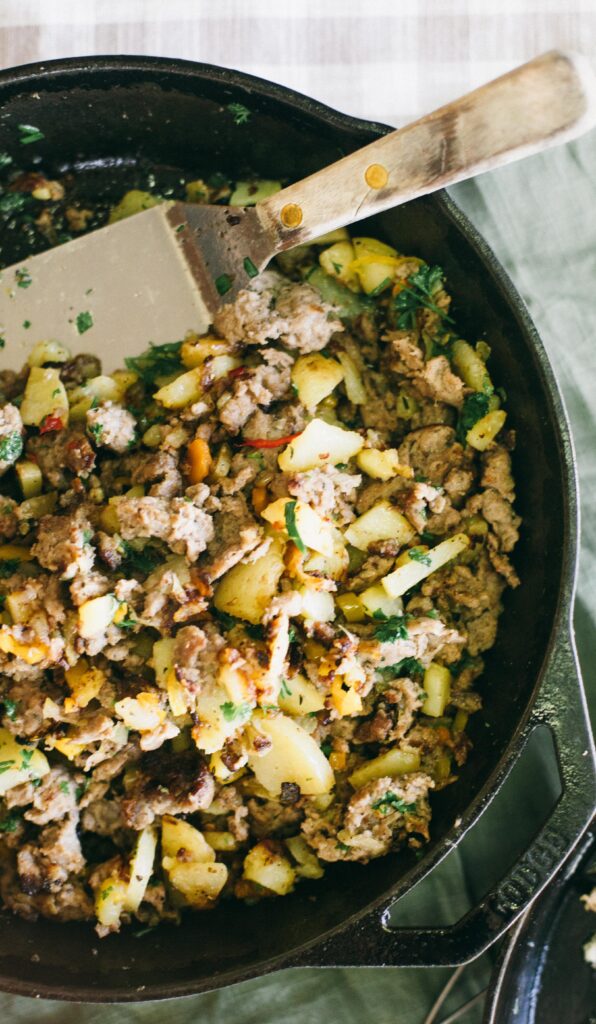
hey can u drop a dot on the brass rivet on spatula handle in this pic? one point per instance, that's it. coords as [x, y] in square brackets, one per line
[376, 176]
[291, 215]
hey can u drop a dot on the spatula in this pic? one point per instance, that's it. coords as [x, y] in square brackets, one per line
[163, 272]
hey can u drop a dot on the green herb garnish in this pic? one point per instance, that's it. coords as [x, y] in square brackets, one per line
[10, 708]
[6, 765]
[28, 133]
[473, 409]
[84, 321]
[11, 447]
[10, 824]
[156, 361]
[418, 555]
[12, 202]
[239, 112]
[285, 689]
[249, 267]
[406, 667]
[23, 278]
[64, 788]
[5, 160]
[391, 802]
[26, 756]
[236, 712]
[145, 560]
[290, 518]
[96, 430]
[27, 325]
[127, 623]
[392, 627]
[417, 294]
[223, 283]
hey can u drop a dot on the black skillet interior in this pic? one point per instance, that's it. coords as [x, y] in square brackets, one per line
[109, 125]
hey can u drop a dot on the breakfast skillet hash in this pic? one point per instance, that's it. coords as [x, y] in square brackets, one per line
[246, 580]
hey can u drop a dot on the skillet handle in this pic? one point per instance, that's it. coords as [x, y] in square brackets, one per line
[543, 103]
[561, 706]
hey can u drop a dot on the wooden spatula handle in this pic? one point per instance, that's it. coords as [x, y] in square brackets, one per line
[542, 103]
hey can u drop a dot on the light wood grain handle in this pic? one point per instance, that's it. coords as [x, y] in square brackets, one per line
[542, 103]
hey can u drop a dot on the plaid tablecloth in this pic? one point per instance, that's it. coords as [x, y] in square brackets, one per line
[389, 61]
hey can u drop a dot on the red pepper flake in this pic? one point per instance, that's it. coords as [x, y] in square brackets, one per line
[266, 442]
[238, 371]
[49, 423]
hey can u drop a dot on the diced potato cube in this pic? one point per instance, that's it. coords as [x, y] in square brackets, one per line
[375, 273]
[141, 868]
[376, 599]
[319, 444]
[40, 505]
[345, 698]
[265, 866]
[30, 478]
[109, 901]
[223, 842]
[408, 575]
[364, 246]
[315, 377]
[30, 652]
[133, 202]
[382, 465]
[45, 395]
[181, 840]
[19, 763]
[293, 757]
[470, 367]
[19, 606]
[298, 696]
[315, 532]
[200, 884]
[330, 237]
[351, 607]
[392, 763]
[182, 391]
[215, 725]
[484, 431]
[437, 686]
[309, 865]
[353, 382]
[317, 605]
[336, 262]
[381, 522]
[247, 589]
[96, 615]
[247, 193]
[195, 350]
[142, 713]
[165, 675]
[85, 682]
[335, 564]
[124, 380]
[48, 352]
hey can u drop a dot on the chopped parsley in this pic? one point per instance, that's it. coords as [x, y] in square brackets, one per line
[5, 160]
[290, 517]
[145, 560]
[418, 555]
[109, 889]
[127, 623]
[28, 133]
[473, 409]
[239, 112]
[406, 667]
[84, 321]
[10, 708]
[391, 802]
[12, 202]
[96, 430]
[326, 747]
[64, 788]
[2, 342]
[27, 325]
[6, 765]
[417, 294]
[11, 447]
[156, 361]
[392, 627]
[10, 824]
[257, 456]
[23, 278]
[380, 287]
[249, 267]
[342, 846]
[285, 689]
[81, 789]
[8, 566]
[223, 283]
[236, 712]
[292, 634]
[26, 756]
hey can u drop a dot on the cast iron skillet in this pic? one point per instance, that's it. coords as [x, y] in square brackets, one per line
[541, 976]
[100, 116]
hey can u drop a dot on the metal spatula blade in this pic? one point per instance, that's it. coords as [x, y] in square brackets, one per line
[156, 276]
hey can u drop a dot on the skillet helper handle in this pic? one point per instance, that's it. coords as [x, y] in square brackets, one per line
[560, 706]
[543, 103]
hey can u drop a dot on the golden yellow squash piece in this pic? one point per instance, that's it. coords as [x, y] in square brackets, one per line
[19, 763]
